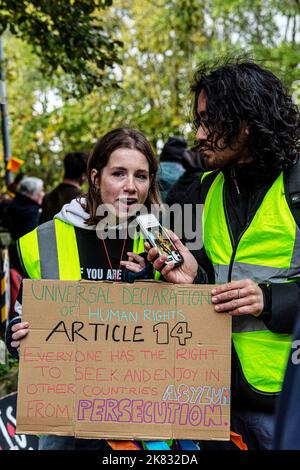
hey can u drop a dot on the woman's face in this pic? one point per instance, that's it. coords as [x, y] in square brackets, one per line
[124, 181]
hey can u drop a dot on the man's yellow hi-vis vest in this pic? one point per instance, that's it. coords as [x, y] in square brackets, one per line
[50, 252]
[268, 251]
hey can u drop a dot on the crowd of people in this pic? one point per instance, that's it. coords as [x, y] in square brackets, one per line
[245, 170]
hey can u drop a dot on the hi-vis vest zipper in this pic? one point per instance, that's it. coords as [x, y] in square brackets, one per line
[50, 252]
[268, 251]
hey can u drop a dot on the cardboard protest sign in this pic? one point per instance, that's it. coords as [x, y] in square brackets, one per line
[127, 361]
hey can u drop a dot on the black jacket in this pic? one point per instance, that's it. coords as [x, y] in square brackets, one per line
[23, 215]
[55, 199]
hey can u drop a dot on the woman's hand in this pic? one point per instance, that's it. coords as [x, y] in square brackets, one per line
[183, 274]
[238, 298]
[20, 330]
[135, 263]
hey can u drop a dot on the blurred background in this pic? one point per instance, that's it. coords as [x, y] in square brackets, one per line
[76, 69]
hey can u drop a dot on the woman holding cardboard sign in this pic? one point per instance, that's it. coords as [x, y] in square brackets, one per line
[90, 237]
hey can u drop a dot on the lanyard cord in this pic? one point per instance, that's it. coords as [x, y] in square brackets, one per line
[108, 257]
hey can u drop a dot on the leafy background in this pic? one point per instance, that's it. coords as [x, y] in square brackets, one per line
[76, 69]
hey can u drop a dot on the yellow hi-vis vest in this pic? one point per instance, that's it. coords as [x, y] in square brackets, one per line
[268, 251]
[50, 251]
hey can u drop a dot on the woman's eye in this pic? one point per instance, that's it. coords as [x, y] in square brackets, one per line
[118, 173]
[142, 177]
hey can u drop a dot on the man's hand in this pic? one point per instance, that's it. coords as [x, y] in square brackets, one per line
[238, 298]
[183, 274]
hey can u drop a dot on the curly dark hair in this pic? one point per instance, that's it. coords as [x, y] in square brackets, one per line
[241, 91]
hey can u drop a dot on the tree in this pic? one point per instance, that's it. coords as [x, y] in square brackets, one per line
[164, 40]
[67, 35]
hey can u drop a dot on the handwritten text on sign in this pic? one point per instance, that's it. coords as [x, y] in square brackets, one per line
[154, 356]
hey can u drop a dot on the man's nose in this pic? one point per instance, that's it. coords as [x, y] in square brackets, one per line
[201, 134]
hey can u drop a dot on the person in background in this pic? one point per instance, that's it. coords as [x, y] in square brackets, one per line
[7, 197]
[170, 168]
[23, 213]
[74, 176]
[194, 167]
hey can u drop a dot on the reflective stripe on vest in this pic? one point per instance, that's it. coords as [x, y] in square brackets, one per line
[28, 248]
[267, 251]
[58, 239]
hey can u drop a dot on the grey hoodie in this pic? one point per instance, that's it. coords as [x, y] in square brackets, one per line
[74, 214]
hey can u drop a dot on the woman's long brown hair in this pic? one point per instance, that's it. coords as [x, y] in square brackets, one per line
[115, 139]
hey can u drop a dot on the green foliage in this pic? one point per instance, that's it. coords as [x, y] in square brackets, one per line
[6, 368]
[163, 41]
[67, 35]
[9, 377]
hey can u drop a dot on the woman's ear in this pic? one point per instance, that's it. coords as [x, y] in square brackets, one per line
[94, 177]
